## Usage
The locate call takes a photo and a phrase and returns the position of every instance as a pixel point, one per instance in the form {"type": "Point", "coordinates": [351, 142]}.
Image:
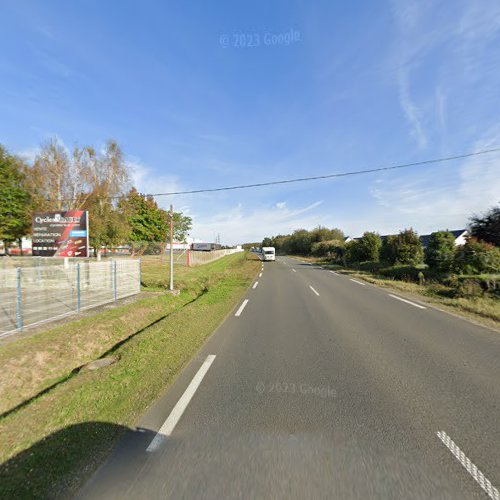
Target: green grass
{"type": "Point", "coordinates": [53, 443]}
{"type": "Point", "coordinates": [31, 365]}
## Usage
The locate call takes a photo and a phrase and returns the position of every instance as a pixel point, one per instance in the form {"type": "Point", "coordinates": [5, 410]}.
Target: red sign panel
{"type": "Point", "coordinates": [61, 234]}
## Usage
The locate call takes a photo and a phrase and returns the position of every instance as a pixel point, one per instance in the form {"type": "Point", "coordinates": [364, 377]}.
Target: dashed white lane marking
{"type": "Point", "coordinates": [260, 275]}
{"type": "Point", "coordinates": [407, 301]}
{"type": "Point", "coordinates": [294, 270]}
{"type": "Point", "coordinates": [358, 282]}
{"type": "Point", "coordinates": [478, 476]}
{"type": "Point", "coordinates": [168, 426]}
{"type": "Point", "coordinates": [314, 290]}
{"type": "Point", "coordinates": [240, 309]}
{"type": "Point", "coordinates": [333, 272]}
{"type": "Point", "coordinates": [255, 285]}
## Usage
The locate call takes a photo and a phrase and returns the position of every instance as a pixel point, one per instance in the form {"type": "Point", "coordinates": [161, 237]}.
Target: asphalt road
{"type": "Point", "coordinates": [322, 387]}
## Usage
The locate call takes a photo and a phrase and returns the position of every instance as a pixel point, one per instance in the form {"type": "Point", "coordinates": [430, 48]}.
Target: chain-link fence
{"type": "Point", "coordinates": [32, 295]}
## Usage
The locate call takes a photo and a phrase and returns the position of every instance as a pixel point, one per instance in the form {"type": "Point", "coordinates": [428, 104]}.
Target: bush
{"type": "Point", "coordinates": [331, 249]}
{"type": "Point", "coordinates": [369, 247]}
{"type": "Point", "coordinates": [352, 254]}
{"type": "Point", "coordinates": [402, 273]}
{"type": "Point", "coordinates": [409, 248]}
{"type": "Point", "coordinates": [371, 266]}
{"type": "Point", "coordinates": [440, 251]}
{"type": "Point", "coordinates": [300, 242]}
{"type": "Point", "coordinates": [469, 288]}
{"type": "Point", "coordinates": [405, 248]}
{"type": "Point", "coordinates": [388, 250]}
{"type": "Point", "coordinates": [476, 257]}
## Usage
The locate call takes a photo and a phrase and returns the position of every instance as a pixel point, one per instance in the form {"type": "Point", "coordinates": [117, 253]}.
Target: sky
{"type": "Point", "coordinates": [207, 94]}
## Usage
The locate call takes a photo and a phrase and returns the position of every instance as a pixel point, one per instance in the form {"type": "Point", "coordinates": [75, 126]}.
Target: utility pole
{"type": "Point", "coordinates": [171, 214]}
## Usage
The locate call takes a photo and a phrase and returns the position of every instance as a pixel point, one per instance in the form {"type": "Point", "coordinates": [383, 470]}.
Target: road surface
{"type": "Point", "coordinates": [320, 386]}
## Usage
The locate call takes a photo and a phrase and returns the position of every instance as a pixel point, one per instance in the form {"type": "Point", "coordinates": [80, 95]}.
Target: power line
{"type": "Point", "coordinates": [317, 177]}
{"type": "Point", "coordinates": [330, 176]}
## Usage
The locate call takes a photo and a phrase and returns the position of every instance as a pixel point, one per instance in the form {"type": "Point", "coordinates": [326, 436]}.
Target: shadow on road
{"type": "Point", "coordinates": [57, 466]}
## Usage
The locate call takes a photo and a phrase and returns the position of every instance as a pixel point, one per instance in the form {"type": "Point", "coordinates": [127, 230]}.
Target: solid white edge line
{"type": "Point", "coordinates": [294, 270]}
{"type": "Point", "coordinates": [407, 301]}
{"type": "Point", "coordinates": [478, 476]}
{"type": "Point", "coordinates": [314, 290]}
{"type": "Point", "coordinates": [255, 285]}
{"type": "Point", "coordinates": [169, 425]}
{"type": "Point", "coordinates": [333, 272]}
{"type": "Point", "coordinates": [358, 282]}
{"type": "Point", "coordinates": [240, 309]}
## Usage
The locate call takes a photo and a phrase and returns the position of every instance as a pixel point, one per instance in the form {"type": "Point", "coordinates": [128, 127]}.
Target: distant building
{"type": "Point", "coordinates": [14, 248]}
{"type": "Point", "coordinates": [459, 234]}
{"type": "Point", "coordinates": [179, 245]}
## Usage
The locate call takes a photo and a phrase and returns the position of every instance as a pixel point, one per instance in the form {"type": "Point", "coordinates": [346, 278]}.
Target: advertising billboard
{"type": "Point", "coordinates": [61, 234]}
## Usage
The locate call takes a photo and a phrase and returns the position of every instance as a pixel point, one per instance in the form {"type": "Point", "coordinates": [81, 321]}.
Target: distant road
{"type": "Point", "coordinates": [320, 386]}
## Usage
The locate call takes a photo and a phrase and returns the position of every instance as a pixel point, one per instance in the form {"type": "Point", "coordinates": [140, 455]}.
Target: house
{"type": "Point", "coordinates": [459, 234]}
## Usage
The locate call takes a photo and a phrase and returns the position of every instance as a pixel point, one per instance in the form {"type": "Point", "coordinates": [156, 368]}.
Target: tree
{"type": "Point", "coordinates": [476, 257]}
{"type": "Point", "coordinates": [487, 227]}
{"type": "Point", "coordinates": [352, 252]}
{"type": "Point", "coordinates": [388, 251]}
{"type": "Point", "coordinates": [409, 248]}
{"type": "Point", "coordinates": [60, 179]}
{"type": "Point", "coordinates": [369, 247]}
{"type": "Point", "coordinates": [182, 226]}
{"type": "Point", "coordinates": [83, 179]}
{"type": "Point", "coordinates": [147, 221]}
{"type": "Point", "coordinates": [106, 179]}
{"type": "Point", "coordinates": [331, 249]}
{"type": "Point", "coordinates": [14, 207]}
{"type": "Point", "coordinates": [322, 233]}
{"type": "Point", "coordinates": [300, 242]}
{"type": "Point", "coordinates": [440, 251]}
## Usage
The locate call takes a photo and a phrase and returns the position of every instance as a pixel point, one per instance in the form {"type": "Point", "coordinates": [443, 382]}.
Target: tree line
{"type": "Point", "coordinates": [480, 254]}
{"type": "Point", "coordinates": [83, 179]}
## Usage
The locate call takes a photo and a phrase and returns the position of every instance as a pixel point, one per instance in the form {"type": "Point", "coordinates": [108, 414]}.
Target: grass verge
{"type": "Point", "coordinates": [51, 445]}
{"type": "Point", "coordinates": [32, 364]}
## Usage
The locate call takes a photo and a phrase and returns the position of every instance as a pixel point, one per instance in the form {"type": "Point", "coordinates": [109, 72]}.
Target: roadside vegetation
{"type": "Point", "coordinates": [46, 396]}
{"type": "Point", "coordinates": [463, 278]}
{"type": "Point", "coordinates": [86, 178]}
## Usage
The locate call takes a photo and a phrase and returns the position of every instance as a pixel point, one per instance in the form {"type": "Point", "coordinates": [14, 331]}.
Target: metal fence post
{"type": "Point", "coordinates": [140, 277]}
{"type": "Point", "coordinates": [115, 288]}
{"type": "Point", "coordinates": [78, 288]}
{"type": "Point", "coordinates": [19, 300]}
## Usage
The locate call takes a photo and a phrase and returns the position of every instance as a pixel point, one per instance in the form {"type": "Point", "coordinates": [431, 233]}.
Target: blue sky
{"type": "Point", "coordinates": [362, 85]}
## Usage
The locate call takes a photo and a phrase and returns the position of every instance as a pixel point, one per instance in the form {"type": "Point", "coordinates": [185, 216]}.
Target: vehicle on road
{"type": "Point", "coordinates": [205, 247]}
{"type": "Point", "coordinates": [268, 254]}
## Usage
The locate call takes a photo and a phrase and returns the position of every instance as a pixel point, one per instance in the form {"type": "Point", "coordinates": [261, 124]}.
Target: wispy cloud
{"type": "Point", "coordinates": [240, 224]}
{"type": "Point", "coordinates": [147, 180]}
{"type": "Point", "coordinates": [410, 109]}
{"type": "Point", "coordinates": [427, 205]}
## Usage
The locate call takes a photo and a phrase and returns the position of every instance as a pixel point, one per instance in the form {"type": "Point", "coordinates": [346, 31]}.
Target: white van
{"type": "Point", "coordinates": [268, 253]}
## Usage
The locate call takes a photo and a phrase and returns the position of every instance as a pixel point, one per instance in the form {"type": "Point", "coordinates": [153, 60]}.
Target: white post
{"type": "Point", "coordinates": [171, 213]}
